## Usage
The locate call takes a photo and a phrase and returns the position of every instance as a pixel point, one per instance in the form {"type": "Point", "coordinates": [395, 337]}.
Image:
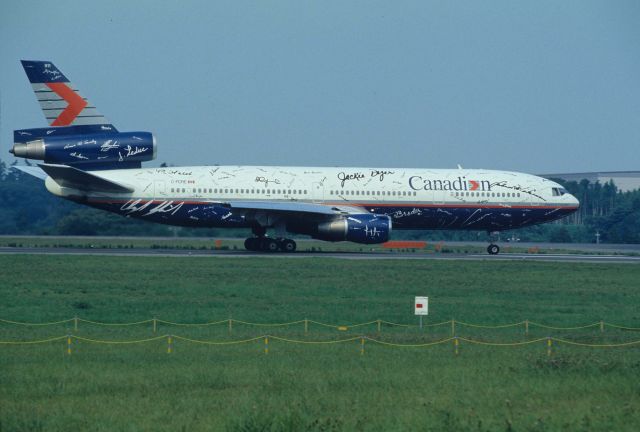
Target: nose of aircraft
{"type": "Point", "coordinates": [573, 200]}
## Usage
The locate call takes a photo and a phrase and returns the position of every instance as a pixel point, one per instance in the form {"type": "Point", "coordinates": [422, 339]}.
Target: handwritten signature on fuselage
{"type": "Point", "coordinates": [266, 181]}
{"type": "Point", "coordinates": [357, 176]}
{"type": "Point", "coordinates": [518, 188]}
{"type": "Point", "coordinates": [138, 206]}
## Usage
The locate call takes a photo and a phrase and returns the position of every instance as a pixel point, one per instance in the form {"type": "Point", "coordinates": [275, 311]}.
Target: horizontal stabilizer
{"type": "Point", "coordinates": [71, 177]}
{"type": "Point", "coordinates": [32, 171]}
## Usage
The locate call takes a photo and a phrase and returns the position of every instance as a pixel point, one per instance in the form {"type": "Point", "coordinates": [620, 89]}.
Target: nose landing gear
{"type": "Point", "coordinates": [493, 249]}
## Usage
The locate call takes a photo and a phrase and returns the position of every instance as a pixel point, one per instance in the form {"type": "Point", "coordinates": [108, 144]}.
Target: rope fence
{"type": "Point", "coordinates": [379, 323]}
{"type": "Point", "coordinates": [457, 342]}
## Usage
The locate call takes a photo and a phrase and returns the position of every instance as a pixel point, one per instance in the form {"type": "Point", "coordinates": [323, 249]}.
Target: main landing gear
{"type": "Point", "coordinates": [268, 244]}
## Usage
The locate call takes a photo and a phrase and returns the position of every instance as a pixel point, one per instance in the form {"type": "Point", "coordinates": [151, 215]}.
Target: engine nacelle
{"type": "Point", "coordinates": [113, 149]}
{"type": "Point", "coordinates": [362, 228]}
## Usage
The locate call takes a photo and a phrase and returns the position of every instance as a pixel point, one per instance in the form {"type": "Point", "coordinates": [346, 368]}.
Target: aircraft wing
{"type": "Point", "coordinates": [71, 177]}
{"type": "Point", "coordinates": [32, 171]}
{"type": "Point", "coordinates": [296, 207]}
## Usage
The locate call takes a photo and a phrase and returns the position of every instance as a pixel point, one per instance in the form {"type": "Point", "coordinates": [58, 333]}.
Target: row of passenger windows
{"type": "Point", "coordinates": [489, 194]}
{"type": "Point", "coordinates": [340, 193]}
{"type": "Point", "coordinates": [373, 193]}
{"type": "Point", "coordinates": [242, 191]}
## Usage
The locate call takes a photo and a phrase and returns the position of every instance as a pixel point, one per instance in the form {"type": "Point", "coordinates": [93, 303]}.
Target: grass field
{"type": "Point", "coordinates": [315, 387]}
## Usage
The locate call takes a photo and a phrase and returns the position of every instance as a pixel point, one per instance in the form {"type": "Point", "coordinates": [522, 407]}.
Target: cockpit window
{"type": "Point", "coordinates": [558, 191]}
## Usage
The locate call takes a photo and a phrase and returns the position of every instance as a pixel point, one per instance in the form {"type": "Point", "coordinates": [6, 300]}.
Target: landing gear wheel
{"type": "Point", "coordinates": [252, 244]}
{"type": "Point", "coordinates": [269, 245]}
{"type": "Point", "coordinates": [493, 249]}
{"type": "Point", "coordinates": [288, 245]}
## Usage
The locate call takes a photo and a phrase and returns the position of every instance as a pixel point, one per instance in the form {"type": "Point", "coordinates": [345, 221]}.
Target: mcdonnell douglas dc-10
{"type": "Point", "coordinates": [87, 160]}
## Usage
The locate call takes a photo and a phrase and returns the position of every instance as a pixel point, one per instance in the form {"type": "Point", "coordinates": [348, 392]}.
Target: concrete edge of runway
{"type": "Point", "coordinates": [142, 252]}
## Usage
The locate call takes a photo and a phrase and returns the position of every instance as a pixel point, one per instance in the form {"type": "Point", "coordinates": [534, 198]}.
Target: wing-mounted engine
{"type": "Point", "coordinates": [359, 228]}
{"type": "Point", "coordinates": [87, 147]}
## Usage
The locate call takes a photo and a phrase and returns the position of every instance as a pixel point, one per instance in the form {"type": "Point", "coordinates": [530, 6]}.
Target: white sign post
{"type": "Point", "coordinates": [421, 306]}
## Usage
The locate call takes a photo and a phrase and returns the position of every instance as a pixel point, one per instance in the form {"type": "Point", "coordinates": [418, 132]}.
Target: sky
{"type": "Point", "coordinates": [532, 86]}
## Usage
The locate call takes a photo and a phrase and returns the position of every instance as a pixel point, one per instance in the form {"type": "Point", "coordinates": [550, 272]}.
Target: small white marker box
{"type": "Point", "coordinates": [421, 305]}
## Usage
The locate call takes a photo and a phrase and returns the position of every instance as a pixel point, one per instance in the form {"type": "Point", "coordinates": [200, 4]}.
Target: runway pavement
{"type": "Point", "coordinates": [338, 255]}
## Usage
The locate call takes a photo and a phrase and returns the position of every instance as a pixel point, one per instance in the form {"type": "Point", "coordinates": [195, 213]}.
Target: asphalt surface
{"type": "Point", "coordinates": [339, 255]}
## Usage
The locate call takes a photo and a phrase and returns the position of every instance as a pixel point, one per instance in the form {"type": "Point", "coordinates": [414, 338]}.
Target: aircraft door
{"type": "Point", "coordinates": [160, 191]}
{"type": "Point", "coordinates": [317, 192]}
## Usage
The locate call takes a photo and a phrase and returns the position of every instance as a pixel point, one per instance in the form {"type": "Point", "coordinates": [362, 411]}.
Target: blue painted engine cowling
{"type": "Point", "coordinates": [85, 147]}
{"type": "Point", "coordinates": [362, 228]}
{"type": "Point", "coordinates": [113, 148]}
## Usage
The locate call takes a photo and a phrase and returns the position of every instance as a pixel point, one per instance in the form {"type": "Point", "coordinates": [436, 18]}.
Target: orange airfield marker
{"type": "Point", "coordinates": [404, 245]}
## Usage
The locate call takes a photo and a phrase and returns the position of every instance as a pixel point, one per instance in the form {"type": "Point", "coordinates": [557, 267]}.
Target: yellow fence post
{"type": "Point", "coordinates": [526, 327]}
{"type": "Point", "coordinates": [306, 326]}
{"type": "Point", "coordinates": [601, 326]}
{"type": "Point", "coordinates": [155, 325]}
{"type": "Point", "coordinates": [75, 323]}
{"type": "Point", "coordinates": [379, 325]}
{"type": "Point", "coordinates": [456, 343]}
{"type": "Point", "coordinates": [361, 345]}
{"type": "Point", "coordinates": [230, 325]}
{"type": "Point", "coordinates": [68, 344]}
{"type": "Point", "coordinates": [548, 347]}
{"type": "Point", "coordinates": [169, 344]}
{"type": "Point", "coordinates": [266, 345]}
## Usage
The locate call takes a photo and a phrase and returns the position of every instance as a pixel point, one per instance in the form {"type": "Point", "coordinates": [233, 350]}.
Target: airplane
{"type": "Point", "coordinates": [88, 161]}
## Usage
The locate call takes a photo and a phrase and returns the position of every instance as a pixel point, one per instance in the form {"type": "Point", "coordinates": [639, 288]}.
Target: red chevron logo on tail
{"type": "Point", "coordinates": [75, 107]}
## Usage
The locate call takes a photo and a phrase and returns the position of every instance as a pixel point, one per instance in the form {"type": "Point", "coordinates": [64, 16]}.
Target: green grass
{"type": "Point", "coordinates": [315, 387]}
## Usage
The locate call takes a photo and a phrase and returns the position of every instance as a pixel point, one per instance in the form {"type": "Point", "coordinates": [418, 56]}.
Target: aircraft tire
{"type": "Point", "coordinates": [493, 249]}
{"type": "Point", "coordinates": [288, 245]}
{"type": "Point", "coordinates": [269, 245]}
{"type": "Point", "coordinates": [252, 244]}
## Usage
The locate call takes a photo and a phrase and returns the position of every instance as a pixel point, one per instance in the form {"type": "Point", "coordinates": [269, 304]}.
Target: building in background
{"type": "Point", "coordinates": [624, 180]}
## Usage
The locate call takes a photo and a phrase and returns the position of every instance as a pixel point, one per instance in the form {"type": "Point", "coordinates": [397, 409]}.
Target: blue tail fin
{"type": "Point", "coordinates": [59, 99]}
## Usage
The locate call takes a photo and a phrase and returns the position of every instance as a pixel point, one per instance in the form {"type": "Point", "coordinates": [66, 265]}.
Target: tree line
{"type": "Point", "coordinates": [27, 208]}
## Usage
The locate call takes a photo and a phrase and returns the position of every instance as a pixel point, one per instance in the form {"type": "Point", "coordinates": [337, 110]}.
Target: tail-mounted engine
{"type": "Point", "coordinates": [362, 228]}
{"type": "Point", "coordinates": [98, 147]}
